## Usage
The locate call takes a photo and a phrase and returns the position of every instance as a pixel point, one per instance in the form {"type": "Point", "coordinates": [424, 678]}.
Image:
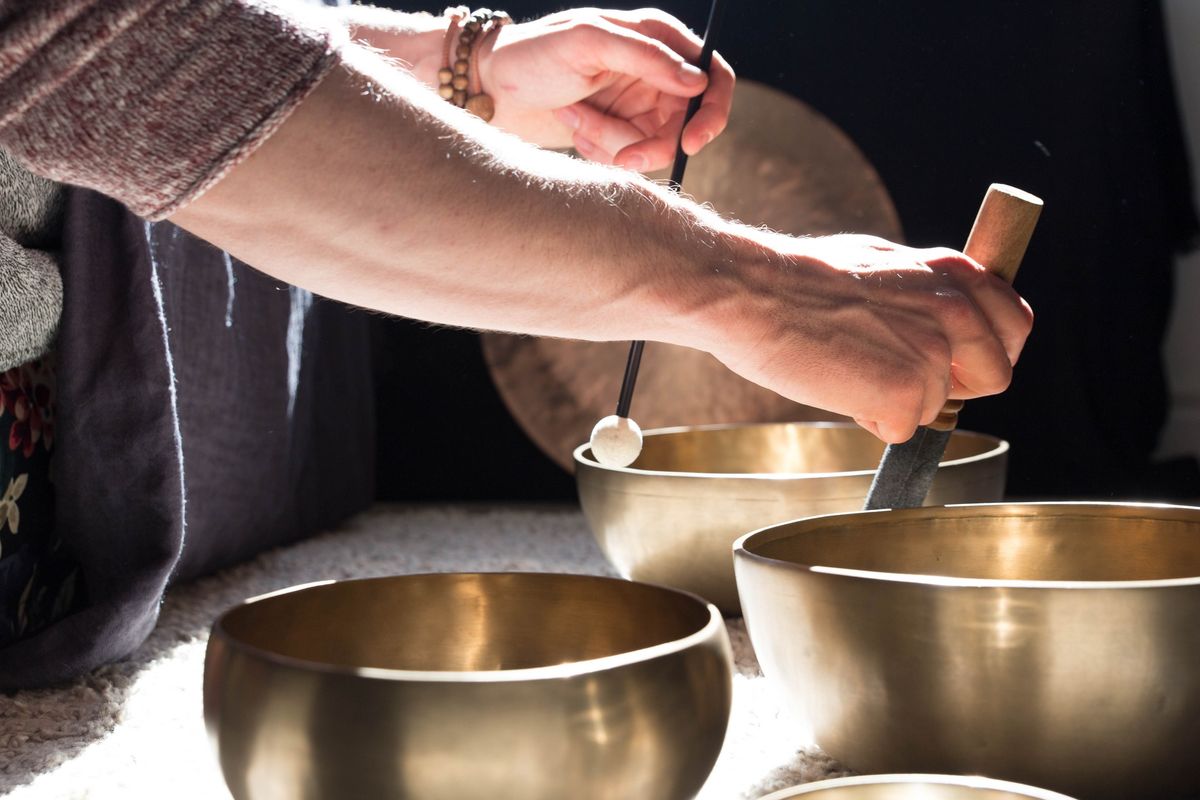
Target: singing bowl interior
{"type": "Point", "coordinates": [802, 450]}
{"type": "Point", "coordinates": [1014, 545]}
{"type": "Point", "coordinates": [1054, 644]}
{"type": "Point", "coordinates": [915, 787]}
{"type": "Point", "coordinates": [674, 514]}
{"type": "Point", "coordinates": [500, 685]}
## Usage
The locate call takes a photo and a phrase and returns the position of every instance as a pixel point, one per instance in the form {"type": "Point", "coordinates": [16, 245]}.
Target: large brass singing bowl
{"type": "Point", "coordinates": [915, 787]}
{"type": "Point", "coordinates": [468, 686]}
{"type": "Point", "coordinates": [1053, 644]}
{"type": "Point", "coordinates": [673, 515]}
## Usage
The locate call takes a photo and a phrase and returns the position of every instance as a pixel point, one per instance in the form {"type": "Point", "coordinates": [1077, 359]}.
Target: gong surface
{"type": "Point", "coordinates": [779, 164]}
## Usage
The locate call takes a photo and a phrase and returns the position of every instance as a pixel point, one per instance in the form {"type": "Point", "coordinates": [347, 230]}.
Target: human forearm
{"type": "Point", "coordinates": [155, 131]}
{"type": "Point", "coordinates": [393, 200]}
{"type": "Point", "coordinates": [396, 201]}
{"type": "Point", "coordinates": [415, 40]}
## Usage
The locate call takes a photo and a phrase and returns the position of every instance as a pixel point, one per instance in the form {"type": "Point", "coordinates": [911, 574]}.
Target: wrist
{"type": "Point", "coordinates": [413, 39]}
{"type": "Point", "coordinates": [704, 268]}
{"type": "Point", "coordinates": [487, 49]}
{"type": "Point", "coordinates": [463, 83]}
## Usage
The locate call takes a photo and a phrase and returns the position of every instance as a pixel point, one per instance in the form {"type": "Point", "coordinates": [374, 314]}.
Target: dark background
{"type": "Point", "coordinates": [943, 98]}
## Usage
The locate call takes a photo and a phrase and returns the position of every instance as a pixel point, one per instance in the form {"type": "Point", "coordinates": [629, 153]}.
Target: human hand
{"type": "Point", "coordinates": [874, 330]}
{"type": "Point", "coordinates": [614, 84]}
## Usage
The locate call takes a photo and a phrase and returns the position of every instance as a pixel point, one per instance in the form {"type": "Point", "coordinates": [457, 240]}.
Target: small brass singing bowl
{"type": "Point", "coordinates": [468, 686]}
{"type": "Point", "coordinates": [1053, 644]}
{"type": "Point", "coordinates": [915, 787]}
{"type": "Point", "coordinates": [672, 517]}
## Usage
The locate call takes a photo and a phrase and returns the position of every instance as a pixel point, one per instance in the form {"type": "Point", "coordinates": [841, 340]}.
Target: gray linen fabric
{"type": "Point", "coordinates": [30, 285]}
{"type": "Point", "coordinates": [206, 412]}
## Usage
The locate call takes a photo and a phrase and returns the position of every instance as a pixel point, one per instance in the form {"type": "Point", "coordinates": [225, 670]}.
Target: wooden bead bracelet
{"type": "Point", "coordinates": [459, 80]}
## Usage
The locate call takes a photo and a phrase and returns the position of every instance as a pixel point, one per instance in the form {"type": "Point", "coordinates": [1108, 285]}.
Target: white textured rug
{"type": "Point", "coordinates": [135, 729]}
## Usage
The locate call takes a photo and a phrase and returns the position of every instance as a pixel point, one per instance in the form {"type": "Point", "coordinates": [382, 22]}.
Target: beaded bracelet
{"type": "Point", "coordinates": [459, 80]}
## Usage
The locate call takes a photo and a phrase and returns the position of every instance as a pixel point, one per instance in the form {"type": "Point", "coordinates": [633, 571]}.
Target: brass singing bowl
{"type": "Point", "coordinates": [673, 515]}
{"type": "Point", "coordinates": [468, 686]}
{"type": "Point", "coordinates": [1053, 644]}
{"type": "Point", "coordinates": [915, 787]}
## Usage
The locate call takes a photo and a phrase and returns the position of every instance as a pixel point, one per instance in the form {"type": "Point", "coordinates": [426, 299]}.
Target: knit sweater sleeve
{"type": "Point", "coordinates": [152, 101]}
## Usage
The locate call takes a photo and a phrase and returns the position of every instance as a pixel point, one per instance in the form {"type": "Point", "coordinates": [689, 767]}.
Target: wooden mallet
{"type": "Point", "coordinates": [998, 240]}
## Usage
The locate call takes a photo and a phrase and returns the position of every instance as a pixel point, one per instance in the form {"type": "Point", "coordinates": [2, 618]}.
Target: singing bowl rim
{"type": "Point", "coordinates": [999, 448]}
{"type": "Point", "coordinates": [743, 547]}
{"type": "Point", "coordinates": [917, 778]}
{"type": "Point", "coordinates": [573, 669]}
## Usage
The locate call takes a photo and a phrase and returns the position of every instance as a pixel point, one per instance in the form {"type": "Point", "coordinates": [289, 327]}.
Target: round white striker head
{"type": "Point", "coordinates": [616, 441]}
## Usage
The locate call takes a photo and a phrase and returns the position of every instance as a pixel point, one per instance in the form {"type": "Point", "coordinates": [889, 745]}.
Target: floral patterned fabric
{"type": "Point", "coordinates": [37, 585]}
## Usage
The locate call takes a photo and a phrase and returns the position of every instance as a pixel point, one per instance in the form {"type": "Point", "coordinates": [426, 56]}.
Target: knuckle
{"type": "Point", "coordinates": [588, 28]}
{"type": "Point", "coordinates": [652, 49]}
{"type": "Point", "coordinates": [870, 242]}
{"type": "Point", "coordinates": [999, 379]}
{"type": "Point", "coordinates": [898, 429]}
{"type": "Point", "coordinates": [1026, 319]}
{"type": "Point", "coordinates": [656, 16]}
{"type": "Point", "coordinates": [957, 309]}
{"type": "Point", "coordinates": [944, 255]}
{"type": "Point", "coordinates": [904, 393]}
{"type": "Point", "coordinates": [950, 263]}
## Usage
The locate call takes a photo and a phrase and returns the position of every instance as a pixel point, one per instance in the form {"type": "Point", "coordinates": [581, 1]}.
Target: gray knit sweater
{"type": "Point", "coordinates": [30, 286]}
{"type": "Point", "coordinates": [147, 101]}
{"type": "Point", "coordinates": [151, 102]}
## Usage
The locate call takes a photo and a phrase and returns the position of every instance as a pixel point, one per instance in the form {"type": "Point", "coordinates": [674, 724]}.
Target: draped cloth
{"type": "Point", "coordinates": [206, 412]}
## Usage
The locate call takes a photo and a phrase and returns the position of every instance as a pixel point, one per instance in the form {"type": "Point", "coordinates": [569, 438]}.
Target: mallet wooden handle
{"type": "Point", "coordinates": [999, 237]}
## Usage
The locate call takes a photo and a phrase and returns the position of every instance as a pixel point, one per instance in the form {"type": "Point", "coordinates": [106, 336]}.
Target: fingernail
{"type": "Point", "coordinates": [568, 116]}
{"type": "Point", "coordinates": [584, 146]}
{"type": "Point", "coordinates": [691, 75]}
{"type": "Point", "coordinates": [637, 163]}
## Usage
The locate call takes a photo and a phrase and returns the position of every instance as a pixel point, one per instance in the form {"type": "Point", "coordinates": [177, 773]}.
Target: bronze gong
{"type": "Point", "coordinates": [779, 164]}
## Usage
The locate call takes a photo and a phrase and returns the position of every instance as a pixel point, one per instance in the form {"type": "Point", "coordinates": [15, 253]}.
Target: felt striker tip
{"type": "Point", "coordinates": [616, 441]}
